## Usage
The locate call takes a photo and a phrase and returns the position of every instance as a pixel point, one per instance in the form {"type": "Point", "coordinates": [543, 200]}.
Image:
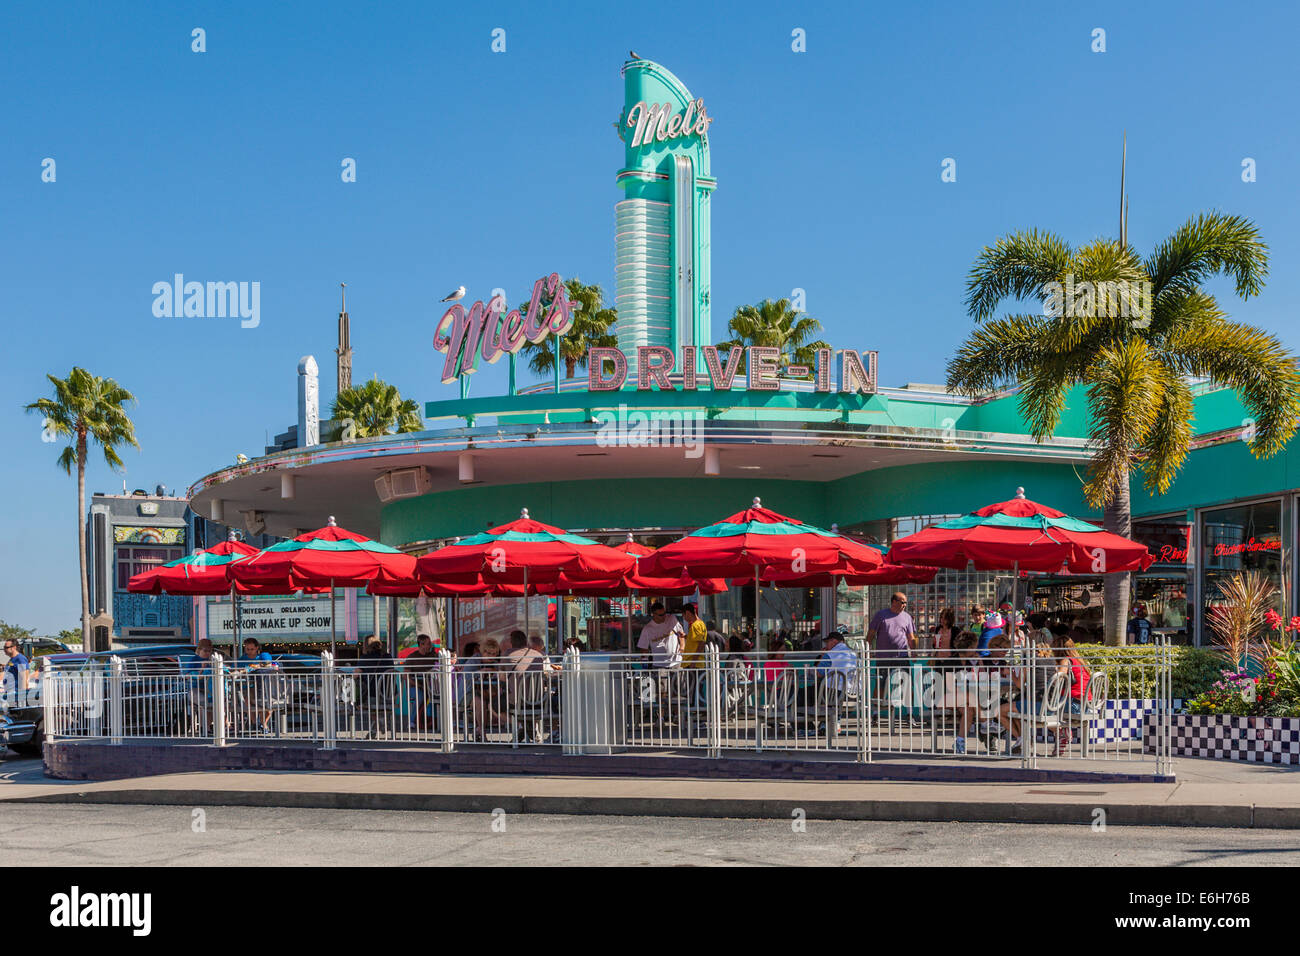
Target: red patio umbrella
{"type": "Point", "coordinates": [1023, 535]}
{"type": "Point", "coordinates": [762, 544]}
{"type": "Point", "coordinates": [327, 557]}
{"type": "Point", "coordinates": [510, 553]}
{"type": "Point", "coordinates": [200, 573]}
{"type": "Point", "coordinates": [887, 573]}
{"type": "Point", "coordinates": [205, 573]}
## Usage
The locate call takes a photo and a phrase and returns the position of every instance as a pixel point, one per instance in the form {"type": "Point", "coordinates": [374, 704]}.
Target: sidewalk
{"type": "Point", "coordinates": [1208, 793]}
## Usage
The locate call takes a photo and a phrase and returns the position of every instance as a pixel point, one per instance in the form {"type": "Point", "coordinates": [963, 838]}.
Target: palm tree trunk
{"type": "Point", "coordinates": [1117, 519]}
{"type": "Point", "coordinates": [570, 366]}
{"type": "Point", "coordinates": [81, 543]}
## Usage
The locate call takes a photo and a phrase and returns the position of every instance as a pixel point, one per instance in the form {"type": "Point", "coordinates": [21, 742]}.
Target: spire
{"type": "Point", "coordinates": [1123, 196]}
{"type": "Point", "coordinates": [344, 351]}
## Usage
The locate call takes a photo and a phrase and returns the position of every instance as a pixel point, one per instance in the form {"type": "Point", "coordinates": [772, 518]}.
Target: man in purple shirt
{"type": "Point", "coordinates": [894, 634]}
{"type": "Point", "coordinates": [892, 629]}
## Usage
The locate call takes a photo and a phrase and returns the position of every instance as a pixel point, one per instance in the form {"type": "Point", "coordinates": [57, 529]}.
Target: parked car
{"type": "Point", "coordinates": [21, 714]}
{"type": "Point", "coordinates": [33, 648]}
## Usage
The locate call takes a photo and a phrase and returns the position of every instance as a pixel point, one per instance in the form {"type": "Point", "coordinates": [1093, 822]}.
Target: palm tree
{"type": "Point", "coordinates": [775, 324]}
{"type": "Point", "coordinates": [86, 408]}
{"type": "Point", "coordinates": [377, 408]}
{"type": "Point", "coordinates": [1134, 360]}
{"type": "Point", "coordinates": [591, 324]}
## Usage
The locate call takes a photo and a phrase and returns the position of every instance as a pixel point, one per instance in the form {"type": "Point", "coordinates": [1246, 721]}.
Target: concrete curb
{"type": "Point", "coordinates": [83, 760]}
{"type": "Point", "coordinates": [919, 811]}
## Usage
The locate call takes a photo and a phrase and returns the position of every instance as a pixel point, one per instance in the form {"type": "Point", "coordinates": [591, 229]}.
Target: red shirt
{"type": "Point", "coordinates": [1078, 679]}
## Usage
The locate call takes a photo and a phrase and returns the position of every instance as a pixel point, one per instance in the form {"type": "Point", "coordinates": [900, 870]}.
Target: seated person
{"type": "Point", "coordinates": [964, 683]}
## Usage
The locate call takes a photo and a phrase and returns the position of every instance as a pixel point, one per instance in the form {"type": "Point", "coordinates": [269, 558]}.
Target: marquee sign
{"type": "Point", "coordinates": [491, 332]}
{"type": "Point", "coordinates": [655, 363]}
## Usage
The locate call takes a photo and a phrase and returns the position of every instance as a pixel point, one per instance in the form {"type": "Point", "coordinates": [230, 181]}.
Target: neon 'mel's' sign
{"type": "Point", "coordinates": [657, 123]}
{"type": "Point", "coordinates": [491, 332]}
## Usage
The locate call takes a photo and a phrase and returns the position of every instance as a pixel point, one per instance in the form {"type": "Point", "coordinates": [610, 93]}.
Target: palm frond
{"type": "Point", "coordinates": [1016, 266]}
{"type": "Point", "coordinates": [998, 353]}
{"type": "Point", "coordinates": [1206, 245]}
{"type": "Point", "coordinates": [1125, 394]}
{"type": "Point", "coordinates": [1171, 435]}
{"type": "Point", "coordinates": [1251, 362]}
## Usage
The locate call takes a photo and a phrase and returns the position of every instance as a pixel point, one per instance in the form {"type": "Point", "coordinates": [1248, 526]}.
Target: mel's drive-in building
{"type": "Point", "coordinates": [667, 433]}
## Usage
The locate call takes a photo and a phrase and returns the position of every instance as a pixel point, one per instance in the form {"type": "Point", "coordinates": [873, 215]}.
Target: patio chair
{"type": "Point", "coordinates": [1091, 708]}
{"type": "Point", "coordinates": [827, 705]}
{"type": "Point", "coordinates": [780, 711]}
{"type": "Point", "coordinates": [1050, 718]}
{"type": "Point", "coordinates": [529, 705]}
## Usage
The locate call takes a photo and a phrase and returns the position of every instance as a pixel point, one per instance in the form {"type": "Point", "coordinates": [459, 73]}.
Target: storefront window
{"type": "Point", "coordinates": [1241, 538]}
{"type": "Point", "coordinates": [1162, 590]}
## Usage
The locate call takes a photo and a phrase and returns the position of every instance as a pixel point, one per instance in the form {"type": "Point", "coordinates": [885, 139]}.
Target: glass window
{"type": "Point", "coordinates": [1162, 590]}
{"type": "Point", "coordinates": [1240, 538]}
{"type": "Point", "coordinates": [132, 560]}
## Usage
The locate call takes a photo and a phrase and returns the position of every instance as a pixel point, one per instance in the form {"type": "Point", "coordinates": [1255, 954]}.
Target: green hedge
{"type": "Point", "coordinates": [1195, 669]}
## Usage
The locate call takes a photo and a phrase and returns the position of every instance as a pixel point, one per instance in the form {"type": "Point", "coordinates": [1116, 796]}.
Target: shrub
{"type": "Point", "coordinates": [1133, 669]}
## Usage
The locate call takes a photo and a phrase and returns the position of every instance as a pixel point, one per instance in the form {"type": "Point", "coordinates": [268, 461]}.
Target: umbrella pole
{"type": "Point", "coordinates": [757, 605]}
{"type": "Point", "coordinates": [527, 620]}
{"type": "Point", "coordinates": [1011, 632]}
{"type": "Point", "coordinates": [332, 619]}
{"type": "Point", "coordinates": [234, 617]}
{"type": "Point", "coordinates": [628, 639]}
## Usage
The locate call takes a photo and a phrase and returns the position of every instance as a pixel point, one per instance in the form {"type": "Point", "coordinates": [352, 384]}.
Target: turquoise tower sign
{"type": "Point", "coordinates": [662, 237]}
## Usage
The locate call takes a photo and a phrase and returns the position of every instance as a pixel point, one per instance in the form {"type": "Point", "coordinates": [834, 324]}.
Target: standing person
{"type": "Point", "coordinates": [894, 634]}
{"type": "Point", "coordinates": [697, 636]}
{"type": "Point", "coordinates": [194, 668]}
{"type": "Point", "coordinates": [17, 671]}
{"type": "Point", "coordinates": [944, 632]}
{"type": "Point", "coordinates": [892, 629]}
{"type": "Point", "coordinates": [661, 637]}
{"type": "Point", "coordinates": [715, 637]}
{"type": "Point", "coordinates": [1139, 628]}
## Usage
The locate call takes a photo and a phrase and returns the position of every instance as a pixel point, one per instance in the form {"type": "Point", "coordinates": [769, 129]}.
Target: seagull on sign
{"type": "Point", "coordinates": [455, 296]}
{"type": "Point", "coordinates": [632, 54]}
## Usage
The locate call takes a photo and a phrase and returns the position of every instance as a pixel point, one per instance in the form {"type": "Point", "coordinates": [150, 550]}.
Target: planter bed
{"type": "Point", "coordinates": [1257, 739]}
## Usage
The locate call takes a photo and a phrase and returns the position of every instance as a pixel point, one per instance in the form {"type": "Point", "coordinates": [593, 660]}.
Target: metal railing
{"type": "Point", "coordinates": [1010, 704]}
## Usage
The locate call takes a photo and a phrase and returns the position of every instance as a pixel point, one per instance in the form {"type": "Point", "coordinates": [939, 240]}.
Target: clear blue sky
{"type": "Point", "coordinates": [491, 169]}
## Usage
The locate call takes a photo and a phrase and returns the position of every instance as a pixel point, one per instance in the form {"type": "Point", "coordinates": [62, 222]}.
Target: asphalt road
{"type": "Point", "coordinates": [84, 835]}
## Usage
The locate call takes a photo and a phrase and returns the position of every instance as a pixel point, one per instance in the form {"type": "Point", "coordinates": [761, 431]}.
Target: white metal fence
{"type": "Point", "coordinates": [1017, 704]}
